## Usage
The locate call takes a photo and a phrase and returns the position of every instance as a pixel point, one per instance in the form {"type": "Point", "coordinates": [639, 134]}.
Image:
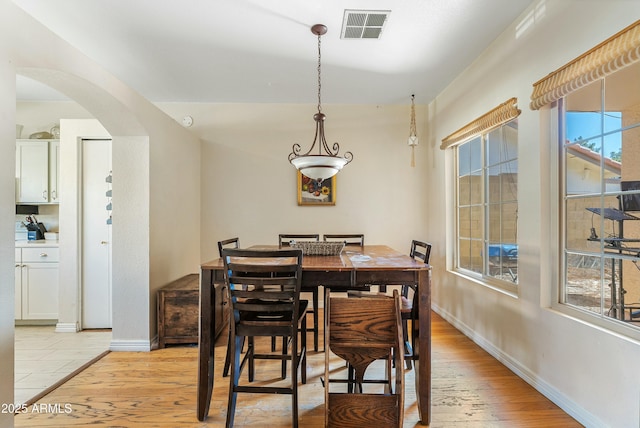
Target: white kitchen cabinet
{"type": "Point", "coordinates": [37, 166]}
{"type": "Point", "coordinates": [37, 271]}
{"type": "Point", "coordinates": [18, 289]}
{"type": "Point", "coordinates": [54, 170]}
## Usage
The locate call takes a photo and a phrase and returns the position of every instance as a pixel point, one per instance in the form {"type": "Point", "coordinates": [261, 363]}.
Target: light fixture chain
{"type": "Point", "coordinates": [319, 76]}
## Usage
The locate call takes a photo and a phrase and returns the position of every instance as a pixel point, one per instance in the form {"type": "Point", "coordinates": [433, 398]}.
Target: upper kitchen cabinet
{"type": "Point", "coordinates": [37, 171]}
{"type": "Point", "coordinates": [54, 170]}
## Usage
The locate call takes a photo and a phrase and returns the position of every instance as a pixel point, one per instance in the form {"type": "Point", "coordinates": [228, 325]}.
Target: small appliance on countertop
{"type": "Point", "coordinates": [35, 229]}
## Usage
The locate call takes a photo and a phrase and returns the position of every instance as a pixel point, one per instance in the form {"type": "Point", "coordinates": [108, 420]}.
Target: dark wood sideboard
{"type": "Point", "coordinates": [178, 311]}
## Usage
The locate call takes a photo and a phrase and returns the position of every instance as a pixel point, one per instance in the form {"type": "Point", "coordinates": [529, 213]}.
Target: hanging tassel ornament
{"type": "Point", "coordinates": [413, 134]}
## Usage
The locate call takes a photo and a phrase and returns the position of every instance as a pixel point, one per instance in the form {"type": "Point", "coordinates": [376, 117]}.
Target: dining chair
{"type": "Point", "coordinates": [348, 239]}
{"type": "Point", "coordinates": [228, 243]}
{"type": "Point", "coordinates": [263, 288]}
{"type": "Point", "coordinates": [420, 251]}
{"type": "Point", "coordinates": [351, 240]}
{"type": "Point", "coordinates": [362, 331]}
{"type": "Point", "coordinates": [284, 240]}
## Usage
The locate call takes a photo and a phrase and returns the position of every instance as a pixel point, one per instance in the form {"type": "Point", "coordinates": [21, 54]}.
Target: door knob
{"type": "Point", "coordinates": [103, 242]}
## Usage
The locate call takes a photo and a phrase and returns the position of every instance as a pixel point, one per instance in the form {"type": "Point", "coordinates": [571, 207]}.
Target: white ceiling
{"type": "Point", "coordinates": [264, 51]}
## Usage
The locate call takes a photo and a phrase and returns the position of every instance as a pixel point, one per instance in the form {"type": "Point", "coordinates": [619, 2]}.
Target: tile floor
{"type": "Point", "coordinates": [44, 357]}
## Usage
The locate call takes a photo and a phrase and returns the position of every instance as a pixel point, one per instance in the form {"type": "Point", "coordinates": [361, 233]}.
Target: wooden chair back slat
{"type": "Point", "coordinates": [364, 410]}
{"type": "Point", "coordinates": [284, 239]}
{"type": "Point", "coordinates": [228, 243]}
{"type": "Point", "coordinates": [356, 239]}
{"type": "Point", "coordinates": [366, 320]}
{"type": "Point", "coordinates": [420, 251]}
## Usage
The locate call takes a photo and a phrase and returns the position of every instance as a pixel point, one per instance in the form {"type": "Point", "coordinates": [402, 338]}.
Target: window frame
{"type": "Point", "coordinates": [559, 197]}
{"type": "Point", "coordinates": [483, 277]}
{"type": "Point", "coordinates": [549, 93]}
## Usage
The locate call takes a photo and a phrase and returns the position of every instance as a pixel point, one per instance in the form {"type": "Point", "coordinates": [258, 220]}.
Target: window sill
{"type": "Point", "coordinates": [624, 330]}
{"type": "Point", "coordinates": [503, 287]}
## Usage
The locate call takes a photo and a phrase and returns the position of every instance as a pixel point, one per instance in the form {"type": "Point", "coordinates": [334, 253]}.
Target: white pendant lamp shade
{"type": "Point", "coordinates": [319, 167]}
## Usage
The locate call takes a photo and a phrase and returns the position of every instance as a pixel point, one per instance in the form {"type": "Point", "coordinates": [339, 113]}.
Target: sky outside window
{"type": "Point", "coordinates": [587, 125]}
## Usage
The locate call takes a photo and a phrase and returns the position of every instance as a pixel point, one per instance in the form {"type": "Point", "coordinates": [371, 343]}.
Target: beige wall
{"type": "Point", "coordinates": [568, 360]}
{"type": "Point", "coordinates": [143, 137]}
{"type": "Point", "coordinates": [249, 186]}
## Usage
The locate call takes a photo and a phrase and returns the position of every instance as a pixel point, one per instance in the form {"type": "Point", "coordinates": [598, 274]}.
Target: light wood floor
{"type": "Point", "coordinates": [158, 389]}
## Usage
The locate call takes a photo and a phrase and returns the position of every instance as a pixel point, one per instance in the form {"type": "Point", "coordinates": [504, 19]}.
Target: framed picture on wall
{"type": "Point", "coordinates": [310, 192]}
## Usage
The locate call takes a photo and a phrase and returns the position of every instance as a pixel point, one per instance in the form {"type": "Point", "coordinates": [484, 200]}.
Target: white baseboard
{"type": "Point", "coordinates": [130, 346]}
{"type": "Point", "coordinates": [556, 396]}
{"type": "Point", "coordinates": [67, 327]}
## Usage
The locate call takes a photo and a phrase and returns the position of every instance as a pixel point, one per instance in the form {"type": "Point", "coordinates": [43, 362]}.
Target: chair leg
{"type": "Point", "coordinates": [285, 346]}
{"type": "Point", "coordinates": [388, 387]}
{"type": "Point", "coordinates": [294, 380]}
{"type": "Point", "coordinates": [249, 356]}
{"type": "Point", "coordinates": [415, 334]}
{"type": "Point", "coordinates": [298, 359]}
{"type": "Point", "coordinates": [408, 349]}
{"type": "Point", "coordinates": [303, 351]}
{"type": "Point", "coordinates": [315, 319]}
{"type": "Point", "coordinates": [236, 346]}
{"type": "Point", "coordinates": [227, 358]}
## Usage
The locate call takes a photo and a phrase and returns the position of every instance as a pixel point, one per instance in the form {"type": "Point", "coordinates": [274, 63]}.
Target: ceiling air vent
{"type": "Point", "coordinates": [363, 24]}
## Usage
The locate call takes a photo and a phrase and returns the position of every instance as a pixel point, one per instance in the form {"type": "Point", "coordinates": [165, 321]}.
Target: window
{"type": "Point", "coordinates": [487, 204]}
{"type": "Point", "coordinates": [486, 165]}
{"type": "Point", "coordinates": [595, 101]}
{"type": "Point", "coordinates": [600, 188]}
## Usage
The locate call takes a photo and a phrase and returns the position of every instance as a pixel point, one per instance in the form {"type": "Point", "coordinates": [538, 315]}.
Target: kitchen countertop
{"type": "Point", "coordinates": [39, 243]}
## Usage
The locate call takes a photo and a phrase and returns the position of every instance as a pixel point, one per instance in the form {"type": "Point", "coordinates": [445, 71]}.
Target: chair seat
{"type": "Point", "coordinates": [272, 318]}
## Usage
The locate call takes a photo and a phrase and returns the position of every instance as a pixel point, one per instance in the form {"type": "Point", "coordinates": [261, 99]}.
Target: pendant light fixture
{"type": "Point", "coordinates": [413, 134]}
{"type": "Point", "coordinates": [325, 162]}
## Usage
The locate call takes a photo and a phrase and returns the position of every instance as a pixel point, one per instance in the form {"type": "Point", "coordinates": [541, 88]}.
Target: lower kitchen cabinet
{"type": "Point", "coordinates": [36, 283]}
{"type": "Point", "coordinates": [18, 289]}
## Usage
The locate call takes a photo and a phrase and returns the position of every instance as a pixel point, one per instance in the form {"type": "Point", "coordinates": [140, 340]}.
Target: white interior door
{"type": "Point", "coordinates": [96, 234]}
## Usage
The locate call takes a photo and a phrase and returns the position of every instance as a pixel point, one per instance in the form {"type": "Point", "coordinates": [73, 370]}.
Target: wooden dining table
{"type": "Point", "coordinates": [355, 266]}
